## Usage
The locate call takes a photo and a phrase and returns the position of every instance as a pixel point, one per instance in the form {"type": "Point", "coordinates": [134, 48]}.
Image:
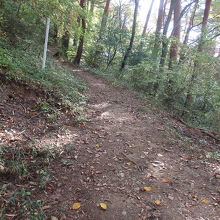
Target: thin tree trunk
{"type": "Point", "coordinates": [140, 46]}
{"type": "Point", "coordinates": [158, 30]}
{"type": "Point", "coordinates": [204, 25]}
{"type": "Point", "coordinates": [55, 34]}
{"type": "Point", "coordinates": [164, 11]}
{"type": "Point", "coordinates": [98, 50]}
{"type": "Point", "coordinates": [81, 40]}
{"type": "Point", "coordinates": [173, 48]}
{"type": "Point", "coordinates": [128, 51]}
{"type": "Point", "coordinates": [176, 34]}
{"type": "Point", "coordinates": [147, 19]}
{"type": "Point", "coordinates": [112, 58]}
{"type": "Point", "coordinates": [92, 6]}
{"type": "Point", "coordinates": [191, 21]}
{"type": "Point", "coordinates": [165, 40]}
{"type": "Point", "coordinates": [65, 43]}
{"type": "Point", "coordinates": [104, 19]}
{"type": "Point", "coordinates": [194, 76]}
{"type": "Point", "coordinates": [189, 28]}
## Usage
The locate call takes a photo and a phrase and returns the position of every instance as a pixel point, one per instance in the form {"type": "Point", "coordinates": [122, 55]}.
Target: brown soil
{"type": "Point", "coordinates": [124, 145]}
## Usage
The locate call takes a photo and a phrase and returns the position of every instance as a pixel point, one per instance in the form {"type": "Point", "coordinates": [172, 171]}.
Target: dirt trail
{"type": "Point", "coordinates": [127, 144]}
{"type": "Point", "coordinates": [122, 149]}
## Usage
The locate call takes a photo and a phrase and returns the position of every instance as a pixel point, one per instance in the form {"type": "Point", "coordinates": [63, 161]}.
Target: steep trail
{"type": "Point", "coordinates": [125, 145]}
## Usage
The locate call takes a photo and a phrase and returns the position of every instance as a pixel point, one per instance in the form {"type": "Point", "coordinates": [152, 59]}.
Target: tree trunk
{"type": "Point", "coordinates": [189, 28]}
{"type": "Point", "coordinates": [175, 7]}
{"type": "Point", "coordinates": [218, 52]}
{"type": "Point", "coordinates": [165, 40]}
{"type": "Point", "coordinates": [92, 6]}
{"type": "Point", "coordinates": [204, 25]}
{"type": "Point", "coordinates": [104, 19]}
{"type": "Point", "coordinates": [65, 43]}
{"type": "Point", "coordinates": [176, 34]}
{"type": "Point", "coordinates": [55, 34]}
{"type": "Point", "coordinates": [128, 51]}
{"type": "Point", "coordinates": [191, 21]}
{"type": "Point", "coordinates": [147, 18]}
{"type": "Point", "coordinates": [140, 47]}
{"type": "Point", "coordinates": [201, 44]}
{"type": "Point", "coordinates": [81, 40]}
{"type": "Point", "coordinates": [158, 30]}
{"type": "Point", "coordinates": [98, 50]}
{"type": "Point", "coordinates": [164, 11]}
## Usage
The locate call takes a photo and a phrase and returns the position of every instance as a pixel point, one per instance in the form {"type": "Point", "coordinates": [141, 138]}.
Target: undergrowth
{"type": "Point", "coordinates": [22, 63]}
{"type": "Point", "coordinates": [24, 167]}
{"type": "Point", "coordinates": [24, 172]}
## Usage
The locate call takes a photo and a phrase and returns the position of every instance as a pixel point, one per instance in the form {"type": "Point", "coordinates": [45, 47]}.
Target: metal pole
{"type": "Point", "coordinates": [46, 43]}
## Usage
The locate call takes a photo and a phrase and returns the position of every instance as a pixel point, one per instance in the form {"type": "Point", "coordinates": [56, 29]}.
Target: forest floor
{"type": "Point", "coordinates": [140, 161]}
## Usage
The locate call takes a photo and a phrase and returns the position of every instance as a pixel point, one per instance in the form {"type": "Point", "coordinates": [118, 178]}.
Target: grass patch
{"type": "Point", "coordinates": [143, 109]}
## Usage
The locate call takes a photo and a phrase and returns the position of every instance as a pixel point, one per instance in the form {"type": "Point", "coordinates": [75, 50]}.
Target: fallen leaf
{"type": "Point", "coordinates": [103, 206]}
{"type": "Point", "coordinates": [157, 202]}
{"type": "Point", "coordinates": [165, 180]}
{"type": "Point", "coordinates": [46, 207]}
{"type": "Point", "coordinates": [82, 124]}
{"type": "Point", "coordinates": [205, 201]}
{"type": "Point", "coordinates": [76, 205]}
{"type": "Point", "coordinates": [10, 121]}
{"type": "Point", "coordinates": [54, 218]}
{"type": "Point", "coordinates": [98, 145]}
{"type": "Point", "coordinates": [33, 183]}
{"type": "Point", "coordinates": [208, 154]}
{"type": "Point", "coordinates": [66, 126]}
{"type": "Point", "coordinates": [10, 215]}
{"type": "Point", "coordinates": [98, 172]}
{"type": "Point", "coordinates": [147, 188]}
{"type": "Point", "coordinates": [129, 163]}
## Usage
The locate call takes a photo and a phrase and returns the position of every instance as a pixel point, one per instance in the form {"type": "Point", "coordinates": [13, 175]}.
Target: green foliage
{"type": "Point", "coordinates": [172, 87]}
{"type": "Point", "coordinates": [26, 65]}
{"type": "Point", "coordinates": [142, 77]}
{"type": "Point", "coordinates": [108, 48]}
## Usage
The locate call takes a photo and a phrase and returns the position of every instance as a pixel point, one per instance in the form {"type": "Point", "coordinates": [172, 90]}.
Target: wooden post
{"type": "Point", "coordinates": [46, 43]}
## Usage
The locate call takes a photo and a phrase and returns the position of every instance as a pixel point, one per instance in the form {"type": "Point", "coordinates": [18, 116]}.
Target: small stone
{"type": "Point", "coordinates": [122, 175]}
{"type": "Point", "coordinates": [148, 208]}
{"type": "Point", "coordinates": [2, 168]}
{"type": "Point", "coordinates": [63, 217]}
{"type": "Point", "coordinates": [217, 176]}
{"type": "Point", "coordinates": [137, 189]}
{"type": "Point", "coordinates": [170, 197]}
{"type": "Point", "coordinates": [124, 213]}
